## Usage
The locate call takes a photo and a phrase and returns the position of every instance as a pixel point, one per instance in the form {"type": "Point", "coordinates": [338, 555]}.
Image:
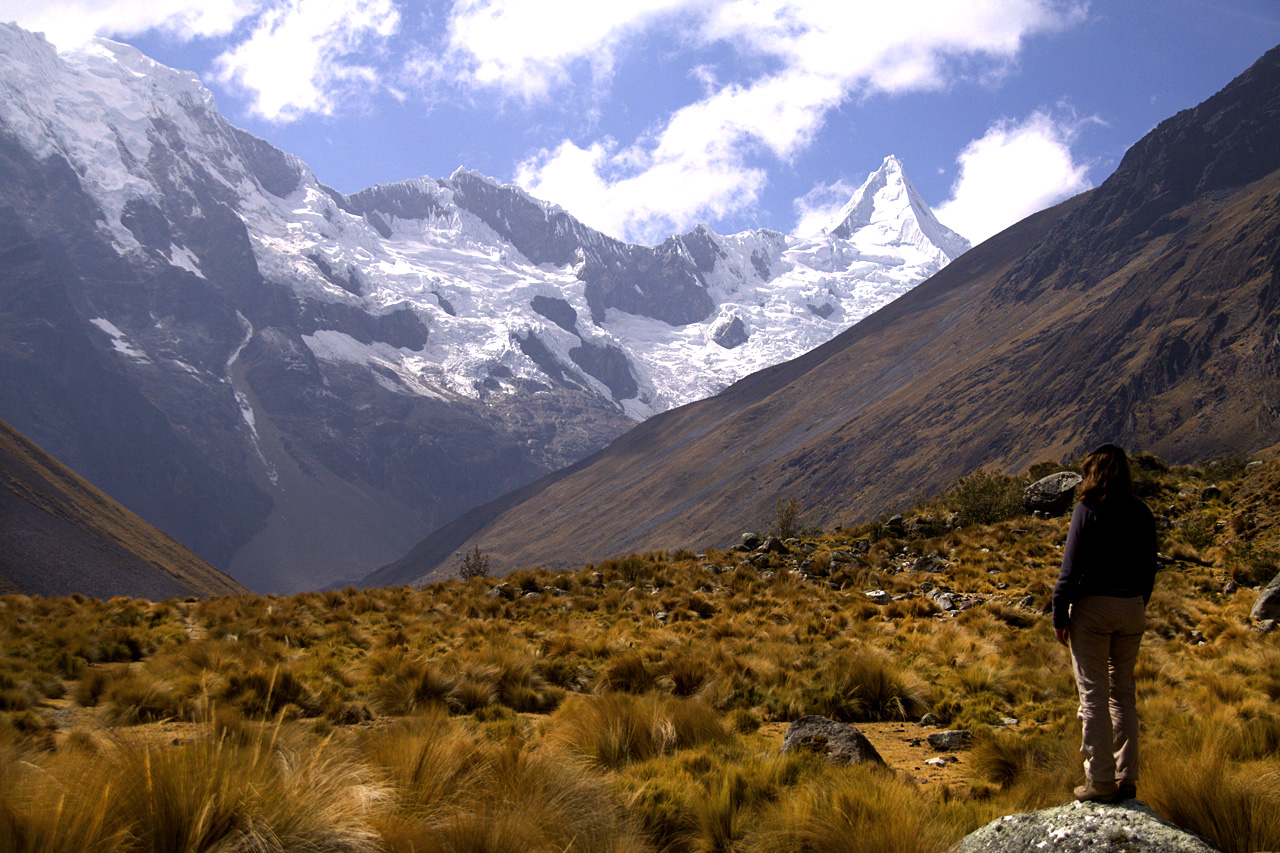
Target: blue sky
{"type": "Point", "coordinates": [645, 117]}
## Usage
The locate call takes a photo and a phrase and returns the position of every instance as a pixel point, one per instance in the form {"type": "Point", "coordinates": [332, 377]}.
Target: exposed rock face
{"type": "Point", "coordinates": [1129, 827]}
{"type": "Point", "coordinates": [1268, 604]}
{"type": "Point", "coordinates": [1052, 495]}
{"type": "Point", "coordinates": [730, 333]}
{"type": "Point", "coordinates": [840, 743]}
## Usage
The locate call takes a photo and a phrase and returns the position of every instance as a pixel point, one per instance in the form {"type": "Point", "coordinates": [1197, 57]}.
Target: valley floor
{"type": "Point", "coordinates": [639, 704]}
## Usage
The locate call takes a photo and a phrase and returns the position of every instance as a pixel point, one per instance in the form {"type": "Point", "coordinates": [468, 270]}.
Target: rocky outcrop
{"type": "Point", "coordinates": [1268, 604]}
{"type": "Point", "coordinates": [837, 742]}
{"type": "Point", "coordinates": [1129, 827]}
{"type": "Point", "coordinates": [1052, 495]}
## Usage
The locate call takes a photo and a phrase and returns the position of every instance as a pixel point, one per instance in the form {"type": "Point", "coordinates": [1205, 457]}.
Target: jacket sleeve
{"type": "Point", "coordinates": [1068, 574]}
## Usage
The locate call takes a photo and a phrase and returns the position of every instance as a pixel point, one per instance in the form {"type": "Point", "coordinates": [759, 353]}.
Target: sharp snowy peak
{"type": "Point", "coordinates": [328, 376]}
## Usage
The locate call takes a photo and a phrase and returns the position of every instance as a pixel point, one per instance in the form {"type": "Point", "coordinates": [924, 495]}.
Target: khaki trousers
{"type": "Point", "coordinates": [1105, 635]}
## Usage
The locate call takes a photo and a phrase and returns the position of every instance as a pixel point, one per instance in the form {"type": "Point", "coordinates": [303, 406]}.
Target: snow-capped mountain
{"type": "Point", "coordinates": [296, 382]}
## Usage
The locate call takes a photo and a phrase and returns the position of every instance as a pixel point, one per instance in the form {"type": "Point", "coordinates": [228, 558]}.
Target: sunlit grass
{"type": "Point", "coordinates": [570, 716]}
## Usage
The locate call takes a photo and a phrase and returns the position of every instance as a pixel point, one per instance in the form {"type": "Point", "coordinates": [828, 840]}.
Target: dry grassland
{"type": "Point", "coordinates": [638, 705]}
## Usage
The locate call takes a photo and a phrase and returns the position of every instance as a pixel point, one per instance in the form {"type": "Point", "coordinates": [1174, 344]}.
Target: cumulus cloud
{"type": "Point", "coordinates": [71, 23]}
{"type": "Point", "coordinates": [1014, 170]}
{"type": "Point", "coordinates": [815, 57]}
{"type": "Point", "coordinates": [526, 48]}
{"type": "Point", "coordinates": [817, 208]}
{"type": "Point", "coordinates": [296, 59]}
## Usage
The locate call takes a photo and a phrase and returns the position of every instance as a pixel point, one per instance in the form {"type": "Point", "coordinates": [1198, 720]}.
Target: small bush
{"type": "Point", "coordinates": [474, 565]}
{"type": "Point", "coordinates": [1251, 565]}
{"type": "Point", "coordinates": [786, 518]}
{"type": "Point", "coordinates": [986, 497]}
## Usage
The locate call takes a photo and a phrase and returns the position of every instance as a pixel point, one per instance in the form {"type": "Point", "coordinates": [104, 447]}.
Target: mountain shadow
{"type": "Point", "coordinates": [60, 535]}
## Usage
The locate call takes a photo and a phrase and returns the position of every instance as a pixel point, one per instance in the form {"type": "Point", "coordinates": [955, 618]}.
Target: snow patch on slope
{"type": "Point", "coordinates": [107, 108]}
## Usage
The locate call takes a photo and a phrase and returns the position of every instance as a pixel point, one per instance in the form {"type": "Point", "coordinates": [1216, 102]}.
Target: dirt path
{"type": "Point", "coordinates": [904, 748]}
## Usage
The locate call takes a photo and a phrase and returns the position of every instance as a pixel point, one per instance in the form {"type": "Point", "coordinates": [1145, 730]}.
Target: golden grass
{"type": "Point", "coordinates": [446, 719]}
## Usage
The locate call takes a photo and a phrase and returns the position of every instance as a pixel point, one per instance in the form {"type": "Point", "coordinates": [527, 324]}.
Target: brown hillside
{"type": "Point", "coordinates": [1146, 311]}
{"type": "Point", "coordinates": [59, 535]}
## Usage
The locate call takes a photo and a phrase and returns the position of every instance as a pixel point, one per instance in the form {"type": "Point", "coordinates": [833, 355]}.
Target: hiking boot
{"type": "Point", "coordinates": [1126, 790]}
{"type": "Point", "coordinates": [1096, 791]}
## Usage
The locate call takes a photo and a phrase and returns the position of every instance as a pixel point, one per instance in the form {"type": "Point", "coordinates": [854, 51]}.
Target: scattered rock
{"type": "Point", "coordinates": [1008, 721]}
{"type": "Point", "coordinates": [1210, 493]}
{"type": "Point", "coordinates": [662, 616]}
{"type": "Point", "coordinates": [1268, 604]}
{"type": "Point", "coordinates": [878, 596]}
{"type": "Point", "coordinates": [773, 545]}
{"type": "Point", "coordinates": [840, 743]}
{"type": "Point", "coordinates": [941, 760]}
{"type": "Point", "coordinates": [750, 541]}
{"type": "Point", "coordinates": [1052, 495]}
{"type": "Point", "coordinates": [1130, 827]}
{"type": "Point", "coordinates": [930, 720]}
{"type": "Point", "coordinates": [730, 332]}
{"type": "Point", "coordinates": [929, 563]}
{"type": "Point", "coordinates": [951, 739]}
{"type": "Point", "coordinates": [1230, 588]}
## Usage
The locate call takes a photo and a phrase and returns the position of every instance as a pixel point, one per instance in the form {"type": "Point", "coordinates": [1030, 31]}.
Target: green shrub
{"type": "Point", "coordinates": [986, 497]}
{"type": "Point", "coordinates": [786, 518]}
{"type": "Point", "coordinates": [1251, 565]}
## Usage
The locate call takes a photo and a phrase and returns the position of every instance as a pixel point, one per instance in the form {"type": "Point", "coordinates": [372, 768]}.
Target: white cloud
{"type": "Point", "coordinates": [816, 56]}
{"type": "Point", "coordinates": [296, 59]}
{"type": "Point", "coordinates": [1013, 171]}
{"type": "Point", "coordinates": [70, 23]}
{"type": "Point", "coordinates": [526, 48]}
{"type": "Point", "coordinates": [816, 208]}
{"type": "Point", "coordinates": [636, 195]}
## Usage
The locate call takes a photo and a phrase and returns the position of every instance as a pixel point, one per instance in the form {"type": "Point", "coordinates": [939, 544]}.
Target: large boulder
{"type": "Point", "coordinates": [1131, 827]}
{"type": "Point", "coordinates": [1268, 604]}
{"type": "Point", "coordinates": [1052, 495]}
{"type": "Point", "coordinates": [838, 742]}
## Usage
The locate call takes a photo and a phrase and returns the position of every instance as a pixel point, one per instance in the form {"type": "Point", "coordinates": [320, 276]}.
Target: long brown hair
{"type": "Point", "coordinates": [1106, 475]}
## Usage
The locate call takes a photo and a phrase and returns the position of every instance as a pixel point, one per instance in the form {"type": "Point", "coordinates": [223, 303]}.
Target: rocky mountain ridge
{"type": "Point", "coordinates": [1146, 311]}
{"type": "Point", "coordinates": [299, 383]}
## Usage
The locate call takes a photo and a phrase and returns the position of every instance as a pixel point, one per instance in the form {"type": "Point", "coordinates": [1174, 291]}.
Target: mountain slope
{"type": "Point", "coordinates": [60, 535]}
{"type": "Point", "coordinates": [299, 384]}
{"type": "Point", "coordinates": [1146, 311]}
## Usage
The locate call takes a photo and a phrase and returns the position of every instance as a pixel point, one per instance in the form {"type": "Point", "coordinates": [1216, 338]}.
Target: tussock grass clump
{"type": "Point", "coordinates": [857, 685]}
{"type": "Point", "coordinates": [615, 729]}
{"type": "Point", "coordinates": [862, 810]}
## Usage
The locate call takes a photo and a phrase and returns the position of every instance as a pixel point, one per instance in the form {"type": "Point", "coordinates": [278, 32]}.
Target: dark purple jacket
{"type": "Point", "coordinates": [1111, 550]}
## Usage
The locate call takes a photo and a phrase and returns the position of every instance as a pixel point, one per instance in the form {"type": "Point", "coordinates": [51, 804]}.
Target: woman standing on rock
{"type": "Point", "coordinates": [1099, 608]}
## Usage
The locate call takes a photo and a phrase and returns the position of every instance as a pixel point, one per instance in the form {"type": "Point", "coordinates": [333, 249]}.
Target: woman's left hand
{"type": "Point", "coordinates": [1063, 635]}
